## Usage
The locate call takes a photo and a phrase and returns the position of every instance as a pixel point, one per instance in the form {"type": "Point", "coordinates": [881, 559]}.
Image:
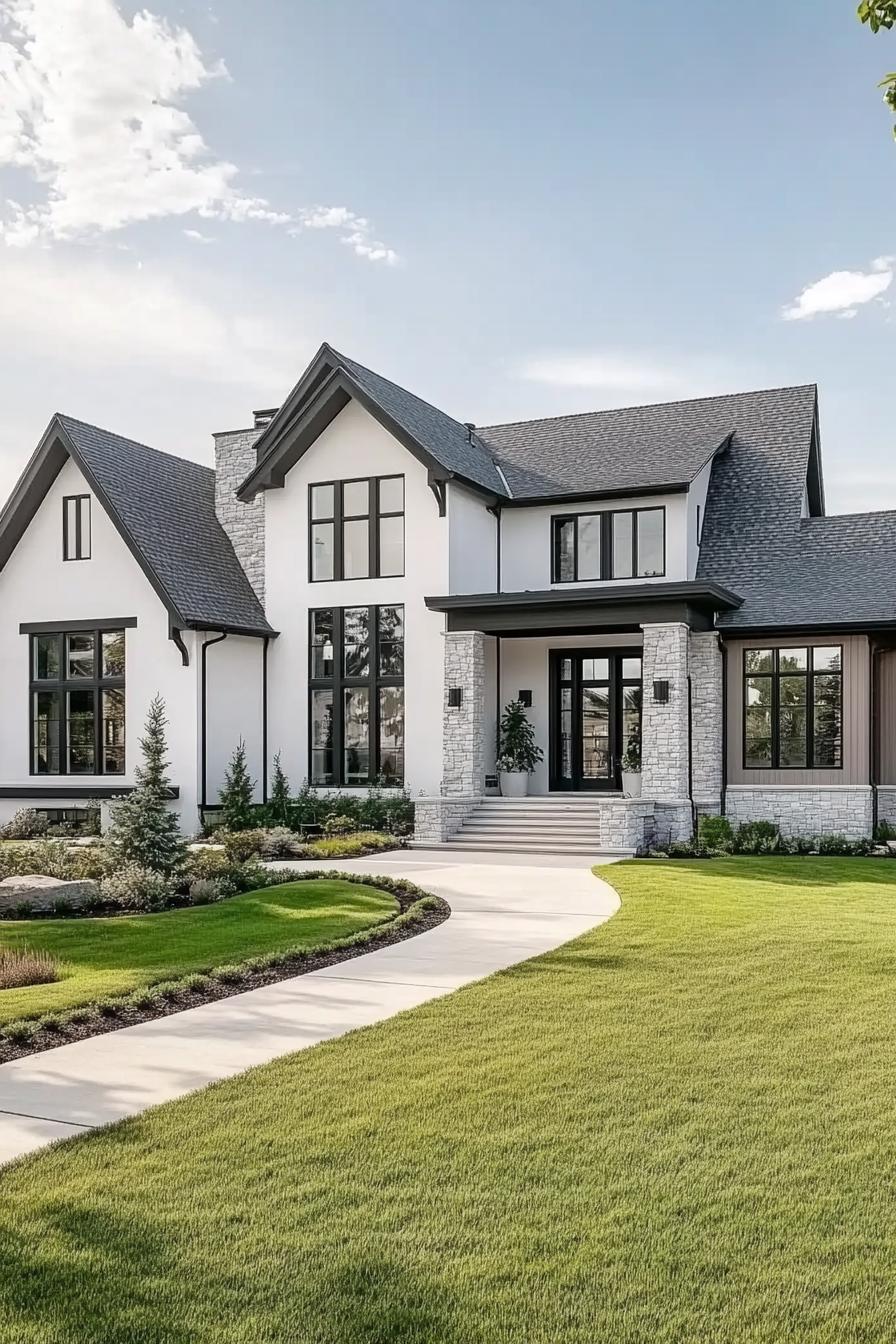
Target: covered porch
{"type": "Point", "coordinates": [598, 670]}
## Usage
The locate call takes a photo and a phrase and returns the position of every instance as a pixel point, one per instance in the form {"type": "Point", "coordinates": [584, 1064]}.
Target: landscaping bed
{"type": "Point", "coordinates": [162, 994]}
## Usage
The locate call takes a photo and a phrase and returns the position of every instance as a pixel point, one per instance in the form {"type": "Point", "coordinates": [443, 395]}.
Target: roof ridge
{"type": "Point", "coordinates": [135, 443]}
{"type": "Point", "coordinates": [647, 405]}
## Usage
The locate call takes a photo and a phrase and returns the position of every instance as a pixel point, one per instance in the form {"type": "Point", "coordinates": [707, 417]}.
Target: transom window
{"type": "Point", "coordinates": [793, 708]}
{"type": "Point", "coordinates": [77, 703]}
{"type": "Point", "coordinates": [357, 529]}
{"type": "Point", "coordinates": [76, 527]}
{"type": "Point", "coordinates": [356, 697]}
{"type": "Point", "coordinates": [614, 544]}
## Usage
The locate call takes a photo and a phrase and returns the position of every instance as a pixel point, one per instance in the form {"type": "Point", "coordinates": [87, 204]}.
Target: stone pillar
{"type": "Point", "coordinates": [463, 725]}
{"type": "Point", "coordinates": [243, 523]}
{"type": "Point", "coordinates": [664, 729]}
{"type": "Point", "coordinates": [707, 727]}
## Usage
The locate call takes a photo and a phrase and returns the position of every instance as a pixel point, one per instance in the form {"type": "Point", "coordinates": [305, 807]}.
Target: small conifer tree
{"type": "Point", "coordinates": [236, 795]}
{"type": "Point", "coordinates": [144, 830]}
{"type": "Point", "coordinates": [279, 803]}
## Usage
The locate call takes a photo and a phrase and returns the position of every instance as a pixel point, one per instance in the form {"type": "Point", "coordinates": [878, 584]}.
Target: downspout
{"type": "Point", "coordinates": [691, 756]}
{"type": "Point", "coordinates": [203, 769]}
{"type": "Point", "coordinates": [264, 719]}
{"type": "Point", "coordinates": [875, 651]}
{"type": "Point", "coordinates": [723, 803]}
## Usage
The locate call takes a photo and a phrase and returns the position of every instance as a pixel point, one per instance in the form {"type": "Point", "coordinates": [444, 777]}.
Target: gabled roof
{"type": "Point", "coordinates": [448, 448]}
{"type": "Point", "coordinates": [164, 509]}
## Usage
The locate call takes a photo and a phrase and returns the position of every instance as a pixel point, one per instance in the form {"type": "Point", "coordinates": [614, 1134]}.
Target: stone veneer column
{"type": "Point", "coordinates": [706, 720]}
{"type": "Point", "coordinates": [664, 728]}
{"type": "Point", "coordinates": [463, 726]}
{"type": "Point", "coordinates": [243, 523]}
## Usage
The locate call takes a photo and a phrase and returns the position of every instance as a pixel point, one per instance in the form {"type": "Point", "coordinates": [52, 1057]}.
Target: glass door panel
{"type": "Point", "coordinates": [595, 716]}
{"type": "Point", "coordinates": [597, 756]}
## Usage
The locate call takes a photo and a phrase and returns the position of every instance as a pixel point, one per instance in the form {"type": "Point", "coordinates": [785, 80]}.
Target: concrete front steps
{"type": "Point", "coordinates": [555, 825]}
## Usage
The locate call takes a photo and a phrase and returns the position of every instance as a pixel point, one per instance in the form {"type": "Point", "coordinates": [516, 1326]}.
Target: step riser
{"type": "Point", "coordinates": [584, 834]}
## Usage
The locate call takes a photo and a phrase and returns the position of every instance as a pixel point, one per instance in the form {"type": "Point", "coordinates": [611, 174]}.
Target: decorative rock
{"type": "Point", "coordinates": [42, 892]}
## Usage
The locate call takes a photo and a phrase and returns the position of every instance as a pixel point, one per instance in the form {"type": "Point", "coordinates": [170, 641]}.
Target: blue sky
{"type": "Point", "coordinates": [515, 209]}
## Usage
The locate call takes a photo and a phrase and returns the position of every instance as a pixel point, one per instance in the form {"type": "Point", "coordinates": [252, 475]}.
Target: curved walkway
{"type": "Point", "coordinates": [503, 911]}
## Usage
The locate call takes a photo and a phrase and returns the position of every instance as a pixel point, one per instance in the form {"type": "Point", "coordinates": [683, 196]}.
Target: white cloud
{"type": "Point", "coordinates": [90, 112]}
{"type": "Point", "coordinates": [842, 292]}
{"type": "Point", "coordinates": [78, 310]}
{"type": "Point", "coordinates": [355, 230]}
{"type": "Point", "coordinates": [196, 236]}
{"type": "Point", "coordinates": [626, 377]}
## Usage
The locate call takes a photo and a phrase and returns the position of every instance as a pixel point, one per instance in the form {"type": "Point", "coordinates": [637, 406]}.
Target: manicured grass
{"type": "Point", "coordinates": [112, 956]}
{"type": "Point", "coordinates": [681, 1127]}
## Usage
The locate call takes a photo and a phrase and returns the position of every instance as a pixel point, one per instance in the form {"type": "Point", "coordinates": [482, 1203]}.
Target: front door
{"type": "Point", "coordinates": [595, 716]}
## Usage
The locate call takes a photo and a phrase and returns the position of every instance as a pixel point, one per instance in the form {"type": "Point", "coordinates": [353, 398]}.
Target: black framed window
{"type": "Point", "coordinates": [77, 707]}
{"type": "Point", "coordinates": [356, 695]}
{"type": "Point", "coordinates": [612, 544]}
{"type": "Point", "coordinates": [793, 708]}
{"type": "Point", "coordinates": [356, 529]}
{"type": "Point", "coordinates": [76, 527]}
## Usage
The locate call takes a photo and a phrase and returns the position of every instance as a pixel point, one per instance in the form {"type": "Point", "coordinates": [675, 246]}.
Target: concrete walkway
{"type": "Point", "coordinates": [504, 910]}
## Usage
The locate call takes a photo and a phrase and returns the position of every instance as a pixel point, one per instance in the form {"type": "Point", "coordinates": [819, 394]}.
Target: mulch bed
{"type": "Point", "coordinates": [299, 964]}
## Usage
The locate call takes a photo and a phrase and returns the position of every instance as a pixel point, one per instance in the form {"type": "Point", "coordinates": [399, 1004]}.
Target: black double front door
{"type": "Point", "coordinates": [595, 715]}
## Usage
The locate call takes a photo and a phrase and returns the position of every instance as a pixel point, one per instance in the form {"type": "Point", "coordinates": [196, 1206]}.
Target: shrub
{"type": "Point", "coordinates": [884, 832]}
{"type": "Point", "coordinates": [280, 843]}
{"type": "Point", "coordinates": [20, 966]}
{"type": "Point", "coordinates": [214, 866]}
{"type": "Point", "coordinates": [228, 975]}
{"type": "Point", "coordinates": [19, 1032]}
{"type": "Point", "coordinates": [205, 891]}
{"type": "Point", "coordinates": [842, 845]}
{"type": "Point", "coordinates": [682, 849]}
{"type": "Point", "coordinates": [341, 824]}
{"type": "Point", "coordinates": [237, 810]}
{"type": "Point", "coordinates": [278, 809]}
{"type": "Point", "coordinates": [242, 845]}
{"type": "Point", "coordinates": [802, 845]}
{"type": "Point", "coordinates": [196, 983]}
{"type": "Point", "coordinates": [144, 831]}
{"type": "Point", "coordinates": [337, 847]}
{"type": "Point", "coordinates": [134, 888]}
{"type": "Point", "coordinates": [758, 837]}
{"type": "Point", "coordinates": [715, 833]}
{"type": "Point", "coordinates": [26, 824]}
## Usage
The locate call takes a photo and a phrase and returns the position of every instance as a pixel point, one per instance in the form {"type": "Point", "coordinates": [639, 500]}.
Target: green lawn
{"type": "Point", "coordinates": [113, 956]}
{"type": "Point", "coordinates": [681, 1127]}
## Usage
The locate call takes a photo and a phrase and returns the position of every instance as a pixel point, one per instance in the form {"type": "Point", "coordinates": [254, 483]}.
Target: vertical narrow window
{"type": "Point", "coordinates": [323, 531]}
{"type": "Point", "coordinates": [356, 530]}
{"type": "Point", "coordinates": [588, 559]}
{"type": "Point", "coordinates": [76, 527]}
{"type": "Point", "coordinates": [390, 526]}
{"type": "Point", "coordinates": [793, 708]}
{"type": "Point", "coordinates": [623, 546]}
{"type": "Point", "coordinates": [650, 543]}
{"type": "Point", "coordinates": [78, 703]}
{"type": "Point", "coordinates": [356, 707]}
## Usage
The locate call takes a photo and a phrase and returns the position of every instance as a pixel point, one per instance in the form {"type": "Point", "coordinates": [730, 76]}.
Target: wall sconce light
{"type": "Point", "coordinates": [661, 692]}
{"type": "Point", "coordinates": [455, 697]}
{"type": "Point", "coordinates": [525, 698]}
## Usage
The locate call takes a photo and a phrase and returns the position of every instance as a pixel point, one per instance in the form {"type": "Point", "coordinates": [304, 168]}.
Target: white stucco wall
{"type": "Point", "coordinates": [356, 445]}
{"type": "Point", "coordinates": [472, 531]}
{"type": "Point", "coordinates": [37, 585]}
{"type": "Point", "coordinates": [526, 541]}
{"type": "Point", "coordinates": [696, 514]}
{"type": "Point", "coordinates": [524, 666]}
{"type": "Point", "coordinates": [234, 698]}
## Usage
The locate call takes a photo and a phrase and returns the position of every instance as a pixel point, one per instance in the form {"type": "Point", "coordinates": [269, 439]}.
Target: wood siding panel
{"type": "Point", "coordinates": [886, 711]}
{"type": "Point", "coordinates": [856, 713]}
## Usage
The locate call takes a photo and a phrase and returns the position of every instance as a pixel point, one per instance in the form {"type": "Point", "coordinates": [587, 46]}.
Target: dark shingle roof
{"type": "Point", "coordinates": [447, 440]}
{"type": "Point", "coordinates": [166, 505]}
{"type": "Point", "coordinates": [598, 452]}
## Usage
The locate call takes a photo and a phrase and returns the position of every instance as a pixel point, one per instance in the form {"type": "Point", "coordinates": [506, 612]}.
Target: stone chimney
{"type": "Point", "coordinates": [243, 523]}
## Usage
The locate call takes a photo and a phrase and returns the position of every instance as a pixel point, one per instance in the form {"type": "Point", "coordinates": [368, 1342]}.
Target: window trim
{"type": "Point", "coordinates": [340, 518]}
{"type": "Point", "coordinates": [607, 525]}
{"type": "Point", "coordinates": [775, 674]}
{"type": "Point", "coordinates": [339, 683]}
{"type": "Point", "coordinates": [78, 539]}
{"type": "Point", "coordinates": [62, 685]}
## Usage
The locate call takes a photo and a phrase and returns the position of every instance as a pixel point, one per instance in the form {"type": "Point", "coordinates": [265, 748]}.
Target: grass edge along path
{"type": "Point", "coordinates": [679, 1127]}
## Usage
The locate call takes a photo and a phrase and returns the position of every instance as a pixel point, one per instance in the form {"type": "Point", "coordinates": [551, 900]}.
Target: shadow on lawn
{"type": "Point", "coordinates": [380, 1303]}
{"type": "Point", "coordinates": [69, 1288]}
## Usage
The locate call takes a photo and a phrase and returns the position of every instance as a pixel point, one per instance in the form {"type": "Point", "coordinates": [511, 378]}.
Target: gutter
{"type": "Point", "coordinates": [723, 802]}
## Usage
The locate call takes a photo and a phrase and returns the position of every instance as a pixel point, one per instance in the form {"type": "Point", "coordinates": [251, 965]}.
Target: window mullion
{"type": "Point", "coordinates": [810, 713]}
{"type": "Point", "coordinates": [373, 526]}
{"type": "Point", "coordinates": [373, 757]}
{"type": "Point", "coordinates": [337, 530]}
{"type": "Point", "coordinates": [575, 549]}
{"type": "Point", "coordinates": [338, 691]}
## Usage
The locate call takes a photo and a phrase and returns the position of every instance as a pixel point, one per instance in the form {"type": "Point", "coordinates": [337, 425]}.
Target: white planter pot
{"type": "Point", "coordinates": [631, 784]}
{"type": "Point", "coordinates": [514, 783]}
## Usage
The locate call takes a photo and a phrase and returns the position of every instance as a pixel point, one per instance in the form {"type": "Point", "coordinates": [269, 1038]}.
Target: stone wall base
{"type": "Point", "coordinates": [672, 821]}
{"type": "Point", "coordinates": [886, 803]}
{"type": "Point", "coordinates": [805, 811]}
{"type": "Point", "coordinates": [437, 819]}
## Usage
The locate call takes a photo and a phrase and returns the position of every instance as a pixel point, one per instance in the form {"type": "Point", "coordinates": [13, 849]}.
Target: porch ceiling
{"type": "Point", "coordinates": [622, 607]}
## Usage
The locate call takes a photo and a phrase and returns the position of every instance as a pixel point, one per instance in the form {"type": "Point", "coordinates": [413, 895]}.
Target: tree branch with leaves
{"type": "Point", "coordinates": [880, 14]}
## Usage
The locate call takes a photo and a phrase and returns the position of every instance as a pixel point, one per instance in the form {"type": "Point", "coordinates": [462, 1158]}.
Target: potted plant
{"type": "Point", "coordinates": [518, 753]}
{"type": "Point", "coordinates": [631, 769]}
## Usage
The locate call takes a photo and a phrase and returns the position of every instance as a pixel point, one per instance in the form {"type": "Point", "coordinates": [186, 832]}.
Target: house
{"type": "Point", "coordinates": [363, 582]}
